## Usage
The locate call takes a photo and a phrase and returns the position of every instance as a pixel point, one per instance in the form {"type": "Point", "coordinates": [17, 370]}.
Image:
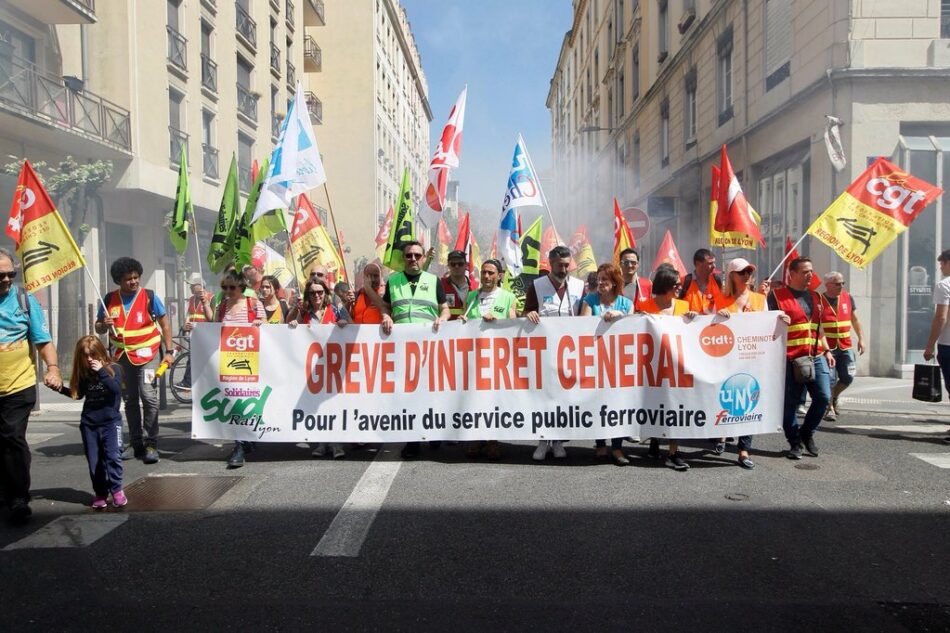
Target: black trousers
{"type": "Point", "coordinates": [14, 451]}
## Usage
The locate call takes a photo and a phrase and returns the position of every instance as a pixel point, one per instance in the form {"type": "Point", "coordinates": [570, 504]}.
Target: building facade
{"type": "Point", "coordinates": [645, 93]}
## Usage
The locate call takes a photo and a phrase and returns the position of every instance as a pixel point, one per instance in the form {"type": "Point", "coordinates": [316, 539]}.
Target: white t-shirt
{"type": "Point", "coordinates": [942, 298]}
{"type": "Point", "coordinates": [486, 300]}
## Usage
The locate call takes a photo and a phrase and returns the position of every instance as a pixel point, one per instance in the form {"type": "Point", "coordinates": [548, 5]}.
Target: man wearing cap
{"type": "Point", "coordinates": [702, 287]}
{"type": "Point", "coordinates": [838, 319]}
{"type": "Point", "coordinates": [199, 311]}
{"type": "Point", "coordinates": [457, 284]}
{"type": "Point", "coordinates": [635, 287]}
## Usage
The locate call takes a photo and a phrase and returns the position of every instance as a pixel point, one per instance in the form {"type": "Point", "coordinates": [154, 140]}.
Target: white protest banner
{"type": "Point", "coordinates": [575, 378]}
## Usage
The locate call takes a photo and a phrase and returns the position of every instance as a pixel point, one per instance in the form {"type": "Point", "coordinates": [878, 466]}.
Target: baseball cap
{"type": "Point", "coordinates": [457, 255]}
{"type": "Point", "coordinates": [739, 264]}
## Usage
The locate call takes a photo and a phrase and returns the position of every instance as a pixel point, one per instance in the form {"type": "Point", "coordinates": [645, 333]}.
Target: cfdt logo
{"type": "Point", "coordinates": [738, 396]}
{"type": "Point", "coordinates": [716, 340]}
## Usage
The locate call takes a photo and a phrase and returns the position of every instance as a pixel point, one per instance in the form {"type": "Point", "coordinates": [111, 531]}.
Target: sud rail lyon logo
{"type": "Point", "coordinates": [738, 397]}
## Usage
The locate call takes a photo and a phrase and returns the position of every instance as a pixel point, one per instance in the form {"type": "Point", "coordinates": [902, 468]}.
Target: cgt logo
{"type": "Point", "coordinates": [717, 340]}
{"type": "Point", "coordinates": [738, 397]}
{"type": "Point", "coordinates": [240, 339]}
{"type": "Point", "coordinates": [890, 193]}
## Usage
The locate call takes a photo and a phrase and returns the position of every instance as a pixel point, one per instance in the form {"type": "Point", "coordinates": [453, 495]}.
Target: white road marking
{"type": "Point", "coordinates": [351, 525]}
{"type": "Point", "coordinates": [71, 531]}
{"type": "Point", "coordinates": [39, 438]}
{"type": "Point", "coordinates": [896, 428]}
{"type": "Point", "coordinates": [940, 460]}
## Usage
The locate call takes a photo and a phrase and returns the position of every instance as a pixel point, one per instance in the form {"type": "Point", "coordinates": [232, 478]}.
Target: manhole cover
{"type": "Point", "coordinates": [181, 492]}
{"type": "Point", "coordinates": [737, 496]}
{"type": "Point", "coordinates": [807, 466]}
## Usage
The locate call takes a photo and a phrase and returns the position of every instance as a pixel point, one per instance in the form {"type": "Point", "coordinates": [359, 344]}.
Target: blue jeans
{"type": "Point", "coordinates": [943, 359]}
{"type": "Point", "coordinates": [844, 367]}
{"type": "Point", "coordinates": [103, 446]}
{"type": "Point", "coordinates": [820, 392]}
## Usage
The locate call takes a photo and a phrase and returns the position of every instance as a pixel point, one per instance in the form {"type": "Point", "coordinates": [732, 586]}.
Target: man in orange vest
{"type": "Point", "coordinates": [457, 284]}
{"type": "Point", "coordinates": [198, 311]}
{"type": "Point", "coordinates": [838, 319]}
{"type": "Point", "coordinates": [368, 307]}
{"type": "Point", "coordinates": [137, 324]}
{"type": "Point", "coordinates": [803, 309]}
{"type": "Point", "coordinates": [702, 287]}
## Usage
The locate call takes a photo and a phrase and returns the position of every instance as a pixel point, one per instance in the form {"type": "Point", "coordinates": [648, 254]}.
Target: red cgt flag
{"type": "Point", "coordinates": [734, 213]}
{"type": "Point", "coordinates": [668, 254]}
{"type": "Point", "coordinates": [623, 236]}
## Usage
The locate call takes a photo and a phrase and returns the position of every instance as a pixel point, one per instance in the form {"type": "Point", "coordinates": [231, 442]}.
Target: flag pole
{"type": "Point", "coordinates": [194, 223]}
{"type": "Point", "coordinates": [540, 188]}
{"type": "Point", "coordinates": [290, 244]}
{"type": "Point", "coordinates": [789, 252]}
{"type": "Point", "coordinates": [95, 287]}
{"type": "Point", "coordinates": [336, 231]}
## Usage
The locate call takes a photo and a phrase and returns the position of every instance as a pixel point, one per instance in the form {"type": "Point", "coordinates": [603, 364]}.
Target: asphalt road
{"type": "Point", "coordinates": [856, 539]}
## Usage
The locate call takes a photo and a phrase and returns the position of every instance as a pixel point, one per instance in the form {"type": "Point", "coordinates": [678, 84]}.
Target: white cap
{"type": "Point", "coordinates": [739, 264]}
{"type": "Point", "coordinates": [194, 279]}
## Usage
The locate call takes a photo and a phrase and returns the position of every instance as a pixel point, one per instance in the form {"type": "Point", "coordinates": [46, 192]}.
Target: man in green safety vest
{"type": "Point", "coordinates": [414, 296]}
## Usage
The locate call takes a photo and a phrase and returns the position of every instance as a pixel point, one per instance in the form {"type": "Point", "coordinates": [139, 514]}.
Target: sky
{"type": "Point", "coordinates": [506, 51]}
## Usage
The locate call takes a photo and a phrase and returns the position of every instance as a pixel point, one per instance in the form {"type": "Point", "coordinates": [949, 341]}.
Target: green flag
{"type": "Point", "coordinates": [178, 231]}
{"type": "Point", "coordinates": [531, 249]}
{"type": "Point", "coordinates": [404, 227]}
{"type": "Point", "coordinates": [219, 254]}
{"type": "Point", "coordinates": [271, 222]}
{"type": "Point", "coordinates": [242, 241]}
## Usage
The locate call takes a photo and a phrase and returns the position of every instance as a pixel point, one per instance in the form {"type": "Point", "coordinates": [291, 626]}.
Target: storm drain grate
{"type": "Point", "coordinates": [920, 616]}
{"type": "Point", "coordinates": [176, 492]}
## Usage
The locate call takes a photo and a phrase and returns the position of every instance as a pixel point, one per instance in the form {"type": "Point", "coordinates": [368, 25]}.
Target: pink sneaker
{"type": "Point", "coordinates": [99, 503]}
{"type": "Point", "coordinates": [119, 499]}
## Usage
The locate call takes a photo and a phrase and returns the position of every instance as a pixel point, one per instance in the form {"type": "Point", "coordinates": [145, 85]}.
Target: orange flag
{"type": "Point", "coordinates": [668, 254]}
{"type": "Point", "coordinates": [623, 236]}
{"type": "Point", "coordinates": [382, 236]}
{"type": "Point", "coordinates": [549, 240]}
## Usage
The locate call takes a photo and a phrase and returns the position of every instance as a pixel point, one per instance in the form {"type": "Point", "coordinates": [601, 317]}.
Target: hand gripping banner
{"type": "Point", "coordinates": [571, 379]}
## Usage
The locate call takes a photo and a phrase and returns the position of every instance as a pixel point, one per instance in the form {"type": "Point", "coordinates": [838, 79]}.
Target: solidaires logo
{"type": "Point", "coordinates": [738, 397]}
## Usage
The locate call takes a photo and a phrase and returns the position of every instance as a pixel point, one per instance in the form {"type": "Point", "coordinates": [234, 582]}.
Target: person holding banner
{"type": "Point", "coordinates": [607, 302]}
{"type": "Point", "coordinates": [22, 324]}
{"type": "Point", "coordinates": [275, 309]}
{"type": "Point", "coordinates": [554, 295]}
{"type": "Point", "coordinates": [137, 324]}
{"type": "Point", "coordinates": [805, 368]}
{"type": "Point", "coordinates": [838, 318]}
{"type": "Point", "coordinates": [666, 285]}
{"type": "Point", "coordinates": [635, 287]}
{"type": "Point", "coordinates": [490, 302]}
{"type": "Point", "coordinates": [702, 287]}
{"type": "Point", "coordinates": [738, 296]}
{"type": "Point", "coordinates": [368, 307]}
{"type": "Point", "coordinates": [457, 284]}
{"type": "Point", "coordinates": [414, 296]}
{"type": "Point", "coordinates": [236, 307]}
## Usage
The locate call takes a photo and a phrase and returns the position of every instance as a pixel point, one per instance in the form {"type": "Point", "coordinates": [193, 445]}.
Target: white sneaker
{"type": "Point", "coordinates": [319, 451]}
{"type": "Point", "coordinates": [831, 415]}
{"type": "Point", "coordinates": [338, 452]}
{"type": "Point", "coordinates": [557, 446]}
{"type": "Point", "coordinates": [541, 451]}
{"type": "Point", "coordinates": [801, 410]}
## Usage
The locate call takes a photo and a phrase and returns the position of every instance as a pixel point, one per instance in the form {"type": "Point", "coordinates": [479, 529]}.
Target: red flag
{"type": "Point", "coordinates": [549, 240]}
{"type": "Point", "coordinates": [734, 213]}
{"type": "Point", "coordinates": [668, 254]}
{"type": "Point", "coordinates": [463, 241]}
{"type": "Point", "coordinates": [793, 254]}
{"type": "Point", "coordinates": [445, 241]}
{"type": "Point", "coordinates": [255, 168]}
{"type": "Point", "coordinates": [382, 236]}
{"type": "Point", "coordinates": [623, 236]}
{"type": "Point", "coordinates": [446, 155]}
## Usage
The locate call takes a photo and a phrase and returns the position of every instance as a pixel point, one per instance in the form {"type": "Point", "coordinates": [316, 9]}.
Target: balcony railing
{"type": "Point", "coordinates": [209, 74]}
{"type": "Point", "coordinates": [275, 121]}
{"type": "Point", "coordinates": [244, 177]}
{"type": "Point", "coordinates": [289, 14]}
{"type": "Point", "coordinates": [176, 140]}
{"type": "Point", "coordinates": [291, 76]}
{"type": "Point", "coordinates": [210, 161]}
{"type": "Point", "coordinates": [246, 103]}
{"type": "Point", "coordinates": [246, 26]}
{"type": "Point", "coordinates": [315, 16]}
{"type": "Point", "coordinates": [44, 97]}
{"type": "Point", "coordinates": [275, 59]}
{"type": "Point", "coordinates": [312, 55]}
{"type": "Point", "coordinates": [314, 107]}
{"type": "Point", "coordinates": [177, 49]}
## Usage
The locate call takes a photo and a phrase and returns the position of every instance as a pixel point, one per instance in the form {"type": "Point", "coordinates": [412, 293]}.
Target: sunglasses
{"type": "Point", "coordinates": [743, 272]}
{"type": "Point", "coordinates": [8, 275]}
{"type": "Point", "coordinates": [316, 293]}
{"type": "Point", "coordinates": [629, 262]}
{"type": "Point", "coordinates": [412, 256]}
{"type": "Point", "coordinates": [456, 264]}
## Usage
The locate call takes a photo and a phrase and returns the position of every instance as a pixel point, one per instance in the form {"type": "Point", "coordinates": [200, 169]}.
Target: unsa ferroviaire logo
{"type": "Point", "coordinates": [738, 397]}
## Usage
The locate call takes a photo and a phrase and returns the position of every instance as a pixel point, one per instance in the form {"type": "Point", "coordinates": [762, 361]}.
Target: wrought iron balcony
{"type": "Point", "coordinates": [289, 14]}
{"type": "Point", "coordinates": [314, 107]}
{"type": "Point", "coordinates": [314, 13]}
{"type": "Point", "coordinates": [312, 55]}
{"type": "Point", "coordinates": [177, 49]}
{"type": "Point", "coordinates": [209, 74]}
{"type": "Point", "coordinates": [210, 161]}
{"type": "Point", "coordinates": [246, 26]}
{"type": "Point", "coordinates": [246, 103]}
{"type": "Point", "coordinates": [275, 59]}
{"type": "Point", "coordinates": [44, 97]}
{"type": "Point", "coordinates": [291, 76]}
{"type": "Point", "coordinates": [176, 140]}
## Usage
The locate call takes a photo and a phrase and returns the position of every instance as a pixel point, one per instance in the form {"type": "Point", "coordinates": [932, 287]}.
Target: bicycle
{"type": "Point", "coordinates": [179, 373]}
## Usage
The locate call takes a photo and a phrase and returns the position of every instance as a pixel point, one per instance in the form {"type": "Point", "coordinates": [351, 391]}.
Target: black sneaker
{"type": "Point", "coordinates": [410, 450]}
{"type": "Point", "coordinates": [810, 447]}
{"type": "Point", "coordinates": [676, 462]}
{"type": "Point", "coordinates": [151, 455]}
{"type": "Point", "coordinates": [236, 459]}
{"type": "Point", "coordinates": [794, 451]}
{"type": "Point", "coordinates": [719, 448]}
{"type": "Point", "coordinates": [746, 463]}
{"type": "Point", "coordinates": [654, 452]}
{"type": "Point", "coordinates": [20, 512]}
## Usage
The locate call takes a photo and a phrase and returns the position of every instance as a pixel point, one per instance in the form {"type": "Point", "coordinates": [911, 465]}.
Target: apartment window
{"type": "Point", "coordinates": [177, 44]}
{"type": "Point", "coordinates": [209, 152]}
{"type": "Point", "coordinates": [274, 49]}
{"type": "Point", "coordinates": [689, 116]}
{"type": "Point", "coordinates": [176, 125]}
{"type": "Point", "coordinates": [664, 132]}
{"type": "Point", "coordinates": [621, 88]}
{"type": "Point", "coordinates": [23, 45]}
{"type": "Point", "coordinates": [246, 101]}
{"type": "Point", "coordinates": [663, 28]}
{"type": "Point", "coordinates": [174, 14]}
{"type": "Point", "coordinates": [635, 73]}
{"type": "Point", "coordinates": [635, 159]}
{"type": "Point", "coordinates": [778, 41]}
{"type": "Point", "coordinates": [245, 154]}
{"type": "Point", "coordinates": [724, 76]}
{"type": "Point", "coordinates": [209, 69]}
{"type": "Point", "coordinates": [945, 19]}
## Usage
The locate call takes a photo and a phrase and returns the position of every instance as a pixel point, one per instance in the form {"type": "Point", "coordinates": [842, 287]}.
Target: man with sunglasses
{"type": "Point", "coordinates": [21, 324]}
{"type": "Point", "coordinates": [457, 284]}
{"type": "Point", "coordinates": [635, 287]}
{"type": "Point", "coordinates": [838, 319]}
{"type": "Point", "coordinates": [414, 296]}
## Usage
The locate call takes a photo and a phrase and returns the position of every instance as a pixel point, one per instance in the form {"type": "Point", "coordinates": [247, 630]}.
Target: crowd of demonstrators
{"type": "Point", "coordinates": [137, 325]}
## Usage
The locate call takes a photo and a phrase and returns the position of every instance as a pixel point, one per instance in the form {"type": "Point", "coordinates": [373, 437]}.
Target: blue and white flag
{"type": "Point", "coordinates": [295, 164]}
{"type": "Point", "coordinates": [523, 190]}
